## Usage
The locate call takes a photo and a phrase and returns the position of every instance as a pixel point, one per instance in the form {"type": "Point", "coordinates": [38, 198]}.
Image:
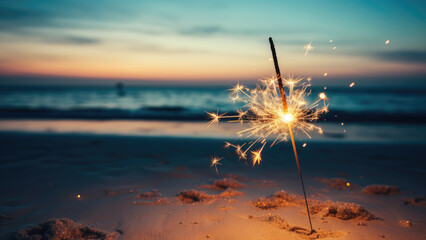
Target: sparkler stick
{"type": "Point", "coordinates": [285, 108]}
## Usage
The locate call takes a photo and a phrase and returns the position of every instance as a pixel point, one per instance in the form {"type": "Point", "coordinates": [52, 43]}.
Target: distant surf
{"type": "Point", "coordinates": [359, 105]}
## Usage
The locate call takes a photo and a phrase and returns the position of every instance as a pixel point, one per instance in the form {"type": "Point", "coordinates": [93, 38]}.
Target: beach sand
{"type": "Point", "coordinates": [158, 187]}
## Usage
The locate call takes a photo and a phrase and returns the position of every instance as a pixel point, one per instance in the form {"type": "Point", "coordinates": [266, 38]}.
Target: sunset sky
{"type": "Point", "coordinates": [212, 41]}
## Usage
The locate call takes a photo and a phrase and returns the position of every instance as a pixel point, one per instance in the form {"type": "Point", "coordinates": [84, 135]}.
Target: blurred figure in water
{"type": "Point", "coordinates": [120, 89]}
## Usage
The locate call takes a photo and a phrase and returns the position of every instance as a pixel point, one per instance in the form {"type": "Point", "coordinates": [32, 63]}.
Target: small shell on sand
{"type": "Point", "coordinates": [279, 199]}
{"type": "Point", "coordinates": [63, 228]}
{"type": "Point", "coordinates": [380, 190]}
{"type": "Point", "coordinates": [342, 210]}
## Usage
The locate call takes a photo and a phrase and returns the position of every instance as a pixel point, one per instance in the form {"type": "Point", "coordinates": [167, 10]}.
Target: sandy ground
{"type": "Point", "coordinates": [130, 185]}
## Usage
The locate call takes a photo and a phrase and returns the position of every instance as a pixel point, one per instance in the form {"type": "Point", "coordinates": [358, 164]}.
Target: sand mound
{"type": "Point", "coordinates": [341, 210]}
{"type": "Point", "coordinates": [59, 229]}
{"type": "Point", "coordinates": [192, 196]}
{"type": "Point", "coordinates": [302, 232]}
{"type": "Point", "coordinates": [224, 184]}
{"type": "Point", "coordinates": [418, 201]}
{"type": "Point", "coordinates": [279, 199]}
{"type": "Point", "coordinates": [151, 194]}
{"type": "Point", "coordinates": [380, 190]}
{"type": "Point", "coordinates": [335, 183]}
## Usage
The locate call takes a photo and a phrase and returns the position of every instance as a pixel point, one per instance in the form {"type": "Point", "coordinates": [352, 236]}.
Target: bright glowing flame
{"type": "Point", "coordinates": [287, 118]}
{"type": "Point", "coordinates": [348, 184]}
{"type": "Point", "coordinates": [78, 196]}
{"type": "Point", "coordinates": [322, 95]}
{"type": "Point", "coordinates": [304, 145]}
{"type": "Point", "coordinates": [387, 42]}
{"type": "Point", "coordinates": [352, 84]}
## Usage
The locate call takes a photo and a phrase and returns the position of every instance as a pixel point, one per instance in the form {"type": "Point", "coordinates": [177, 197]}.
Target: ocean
{"type": "Point", "coordinates": [190, 103]}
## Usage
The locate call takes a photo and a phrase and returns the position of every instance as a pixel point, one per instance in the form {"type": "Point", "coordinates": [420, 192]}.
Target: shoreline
{"type": "Point", "coordinates": [333, 132]}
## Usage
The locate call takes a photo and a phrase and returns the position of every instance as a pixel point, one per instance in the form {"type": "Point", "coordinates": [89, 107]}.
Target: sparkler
{"type": "Point", "coordinates": [271, 115]}
{"type": "Point", "coordinates": [285, 107]}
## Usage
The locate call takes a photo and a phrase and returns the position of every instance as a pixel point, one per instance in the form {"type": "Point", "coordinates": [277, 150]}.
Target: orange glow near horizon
{"type": "Point", "coordinates": [247, 61]}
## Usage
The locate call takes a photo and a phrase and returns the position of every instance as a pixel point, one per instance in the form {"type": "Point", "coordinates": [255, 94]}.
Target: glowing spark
{"type": "Point", "coordinates": [387, 42]}
{"type": "Point", "coordinates": [270, 59]}
{"type": "Point", "coordinates": [325, 88]}
{"type": "Point", "coordinates": [214, 162]}
{"type": "Point", "coordinates": [215, 118]}
{"type": "Point", "coordinates": [322, 95]}
{"type": "Point", "coordinates": [325, 74]}
{"type": "Point", "coordinates": [342, 124]}
{"type": "Point", "coordinates": [237, 89]}
{"type": "Point", "coordinates": [308, 48]}
{"type": "Point", "coordinates": [334, 48]}
{"type": "Point", "coordinates": [304, 145]}
{"type": "Point", "coordinates": [331, 41]}
{"type": "Point", "coordinates": [256, 157]}
{"type": "Point", "coordinates": [309, 79]}
{"type": "Point", "coordinates": [352, 84]}
{"type": "Point", "coordinates": [78, 196]}
{"type": "Point", "coordinates": [348, 184]}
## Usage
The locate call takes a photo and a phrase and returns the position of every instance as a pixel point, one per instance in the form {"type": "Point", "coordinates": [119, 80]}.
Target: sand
{"type": "Point", "coordinates": [299, 231]}
{"type": "Point", "coordinates": [380, 190]}
{"type": "Point", "coordinates": [133, 186]}
{"type": "Point", "coordinates": [60, 229]}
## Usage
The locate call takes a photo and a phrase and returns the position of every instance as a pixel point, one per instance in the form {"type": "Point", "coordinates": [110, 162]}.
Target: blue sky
{"type": "Point", "coordinates": [213, 41]}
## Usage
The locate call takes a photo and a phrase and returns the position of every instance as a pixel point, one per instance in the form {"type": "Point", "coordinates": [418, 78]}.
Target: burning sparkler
{"type": "Point", "coordinates": [308, 47]}
{"type": "Point", "coordinates": [273, 116]}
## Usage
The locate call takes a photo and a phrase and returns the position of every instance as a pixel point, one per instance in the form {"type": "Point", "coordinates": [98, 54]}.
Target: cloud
{"type": "Point", "coordinates": [202, 30]}
{"type": "Point", "coordinates": [75, 40]}
{"type": "Point", "coordinates": [404, 56]}
{"type": "Point", "coordinates": [160, 49]}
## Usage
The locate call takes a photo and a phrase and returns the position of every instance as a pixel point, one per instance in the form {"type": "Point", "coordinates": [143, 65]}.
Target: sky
{"type": "Point", "coordinates": [212, 41]}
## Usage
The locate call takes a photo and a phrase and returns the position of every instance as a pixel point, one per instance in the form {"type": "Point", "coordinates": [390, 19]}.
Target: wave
{"type": "Point", "coordinates": [184, 114]}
